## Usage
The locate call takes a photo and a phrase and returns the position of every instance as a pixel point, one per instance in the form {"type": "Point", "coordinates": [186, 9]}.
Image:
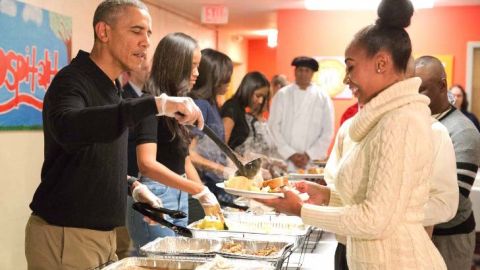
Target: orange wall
{"type": "Point", "coordinates": [261, 57]}
{"type": "Point", "coordinates": [442, 31]}
{"type": "Point", "coordinates": [437, 31]}
{"type": "Point", "coordinates": [447, 31]}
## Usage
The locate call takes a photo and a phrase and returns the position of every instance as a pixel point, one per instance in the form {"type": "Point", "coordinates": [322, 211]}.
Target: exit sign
{"type": "Point", "coordinates": [214, 14]}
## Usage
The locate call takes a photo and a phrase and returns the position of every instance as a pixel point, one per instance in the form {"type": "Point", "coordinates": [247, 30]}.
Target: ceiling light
{"type": "Point", "coordinates": [272, 36]}
{"type": "Point", "coordinates": [357, 4]}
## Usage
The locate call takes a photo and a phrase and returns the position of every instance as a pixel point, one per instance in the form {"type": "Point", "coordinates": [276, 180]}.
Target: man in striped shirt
{"type": "Point", "coordinates": [454, 239]}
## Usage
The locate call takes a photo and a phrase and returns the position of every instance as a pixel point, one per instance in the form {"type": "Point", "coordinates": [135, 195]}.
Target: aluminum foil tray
{"type": "Point", "coordinates": [182, 246]}
{"type": "Point", "coordinates": [254, 249]}
{"type": "Point", "coordinates": [141, 263]}
{"type": "Point", "coordinates": [283, 228]}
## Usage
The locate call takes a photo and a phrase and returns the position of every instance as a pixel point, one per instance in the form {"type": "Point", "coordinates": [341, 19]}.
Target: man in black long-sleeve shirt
{"type": "Point", "coordinates": [81, 197]}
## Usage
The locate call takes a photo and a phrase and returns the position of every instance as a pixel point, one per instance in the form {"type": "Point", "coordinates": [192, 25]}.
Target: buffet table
{"type": "Point", "coordinates": [475, 197]}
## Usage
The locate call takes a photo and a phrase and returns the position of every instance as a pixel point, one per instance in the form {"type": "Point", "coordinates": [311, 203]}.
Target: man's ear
{"type": "Point", "coordinates": [101, 31]}
{"type": "Point", "coordinates": [444, 83]}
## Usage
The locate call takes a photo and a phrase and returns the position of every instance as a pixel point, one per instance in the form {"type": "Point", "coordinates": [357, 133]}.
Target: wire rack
{"type": "Point", "coordinates": [308, 245]}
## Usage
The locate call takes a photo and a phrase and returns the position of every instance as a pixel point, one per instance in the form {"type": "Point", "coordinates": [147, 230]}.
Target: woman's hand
{"type": "Point", "coordinates": [209, 203]}
{"type": "Point", "coordinates": [318, 194]}
{"type": "Point", "coordinates": [291, 204]}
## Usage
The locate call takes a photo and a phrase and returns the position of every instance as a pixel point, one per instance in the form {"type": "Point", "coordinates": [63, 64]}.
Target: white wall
{"type": "Point", "coordinates": [21, 152]}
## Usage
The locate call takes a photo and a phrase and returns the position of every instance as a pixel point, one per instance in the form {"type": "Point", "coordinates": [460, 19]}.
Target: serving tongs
{"type": "Point", "coordinates": [156, 215]}
{"type": "Point", "coordinates": [233, 205]}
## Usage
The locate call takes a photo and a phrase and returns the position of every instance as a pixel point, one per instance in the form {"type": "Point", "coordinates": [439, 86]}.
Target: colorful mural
{"type": "Point", "coordinates": [34, 45]}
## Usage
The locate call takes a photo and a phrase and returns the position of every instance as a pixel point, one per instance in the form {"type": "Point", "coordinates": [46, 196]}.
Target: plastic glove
{"type": "Point", "coordinates": [181, 108]}
{"type": "Point", "coordinates": [141, 193]}
{"type": "Point", "coordinates": [209, 202]}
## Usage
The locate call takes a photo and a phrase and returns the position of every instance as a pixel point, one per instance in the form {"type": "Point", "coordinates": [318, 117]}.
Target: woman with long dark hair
{"type": "Point", "coordinates": [382, 183]}
{"type": "Point", "coordinates": [215, 72]}
{"type": "Point", "coordinates": [162, 144]}
{"type": "Point", "coordinates": [253, 93]}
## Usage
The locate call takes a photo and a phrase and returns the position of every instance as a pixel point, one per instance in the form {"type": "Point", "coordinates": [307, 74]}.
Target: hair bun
{"type": "Point", "coordinates": [394, 13]}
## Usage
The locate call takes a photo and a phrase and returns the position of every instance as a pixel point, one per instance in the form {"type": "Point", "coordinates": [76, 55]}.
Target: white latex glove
{"type": "Point", "coordinates": [206, 197]}
{"type": "Point", "coordinates": [209, 203]}
{"type": "Point", "coordinates": [141, 193]}
{"type": "Point", "coordinates": [181, 108]}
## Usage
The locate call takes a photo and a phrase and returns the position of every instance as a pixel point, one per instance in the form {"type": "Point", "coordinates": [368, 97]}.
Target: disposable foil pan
{"type": "Point", "coordinates": [265, 227]}
{"type": "Point", "coordinates": [253, 249]}
{"type": "Point", "coordinates": [182, 246]}
{"type": "Point", "coordinates": [140, 263]}
{"type": "Point", "coordinates": [148, 263]}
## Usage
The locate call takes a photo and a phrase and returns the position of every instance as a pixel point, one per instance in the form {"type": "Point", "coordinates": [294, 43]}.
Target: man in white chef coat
{"type": "Point", "coordinates": [301, 117]}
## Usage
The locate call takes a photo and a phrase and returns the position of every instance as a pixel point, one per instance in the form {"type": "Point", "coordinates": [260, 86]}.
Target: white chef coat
{"type": "Point", "coordinates": [301, 121]}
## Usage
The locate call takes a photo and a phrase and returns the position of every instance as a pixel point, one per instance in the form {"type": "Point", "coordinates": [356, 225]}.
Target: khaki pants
{"type": "Point", "coordinates": [457, 250]}
{"type": "Point", "coordinates": [124, 247]}
{"type": "Point", "coordinates": [49, 247]}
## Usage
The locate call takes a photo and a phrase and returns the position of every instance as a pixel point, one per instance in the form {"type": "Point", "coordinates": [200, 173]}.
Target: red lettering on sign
{"type": "Point", "coordinates": [17, 68]}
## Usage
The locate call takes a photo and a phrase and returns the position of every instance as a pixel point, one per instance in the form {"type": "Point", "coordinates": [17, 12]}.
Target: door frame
{"type": "Point", "coordinates": [471, 46]}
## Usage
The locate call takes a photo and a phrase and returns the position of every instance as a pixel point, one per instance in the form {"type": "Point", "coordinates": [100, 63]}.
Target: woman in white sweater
{"type": "Point", "coordinates": [382, 183]}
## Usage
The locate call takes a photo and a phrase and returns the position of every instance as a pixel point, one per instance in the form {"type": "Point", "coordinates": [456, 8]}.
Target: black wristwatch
{"type": "Point", "coordinates": [130, 181]}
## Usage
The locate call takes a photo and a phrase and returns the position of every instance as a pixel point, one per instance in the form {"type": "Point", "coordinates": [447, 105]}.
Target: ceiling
{"type": "Point", "coordinates": [246, 16]}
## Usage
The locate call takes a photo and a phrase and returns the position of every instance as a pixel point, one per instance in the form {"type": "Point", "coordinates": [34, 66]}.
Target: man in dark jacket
{"type": "Point", "coordinates": [82, 194]}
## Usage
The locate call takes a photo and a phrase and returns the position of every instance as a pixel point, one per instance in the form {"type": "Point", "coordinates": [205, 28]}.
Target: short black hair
{"type": "Point", "coordinates": [305, 61]}
{"type": "Point", "coordinates": [109, 10]}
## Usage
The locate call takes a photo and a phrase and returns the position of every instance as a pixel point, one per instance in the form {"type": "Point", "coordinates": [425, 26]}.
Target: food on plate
{"type": "Point", "coordinates": [276, 183]}
{"type": "Point", "coordinates": [242, 183]}
{"type": "Point", "coordinates": [315, 170]}
{"type": "Point", "coordinates": [311, 170]}
{"type": "Point", "coordinates": [210, 223]}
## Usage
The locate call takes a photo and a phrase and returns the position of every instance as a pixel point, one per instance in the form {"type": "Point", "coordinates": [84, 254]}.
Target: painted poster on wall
{"type": "Point", "coordinates": [331, 71]}
{"type": "Point", "coordinates": [35, 44]}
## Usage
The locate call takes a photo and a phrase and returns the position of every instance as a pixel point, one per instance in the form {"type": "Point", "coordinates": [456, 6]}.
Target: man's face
{"type": "Point", "coordinates": [129, 38]}
{"type": "Point", "coordinates": [303, 76]}
{"type": "Point", "coordinates": [429, 87]}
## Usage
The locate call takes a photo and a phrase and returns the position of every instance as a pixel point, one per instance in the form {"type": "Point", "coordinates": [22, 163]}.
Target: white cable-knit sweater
{"type": "Point", "coordinates": [383, 185]}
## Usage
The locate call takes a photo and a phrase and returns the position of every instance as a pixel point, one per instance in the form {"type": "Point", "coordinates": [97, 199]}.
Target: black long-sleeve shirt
{"type": "Point", "coordinates": [85, 121]}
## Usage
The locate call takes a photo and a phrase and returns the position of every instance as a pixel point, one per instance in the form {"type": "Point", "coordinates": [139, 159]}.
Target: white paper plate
{"type": "Point", "coordinates": [250, 194]}
{"type": "Point", "coordinates": [298, 176]}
